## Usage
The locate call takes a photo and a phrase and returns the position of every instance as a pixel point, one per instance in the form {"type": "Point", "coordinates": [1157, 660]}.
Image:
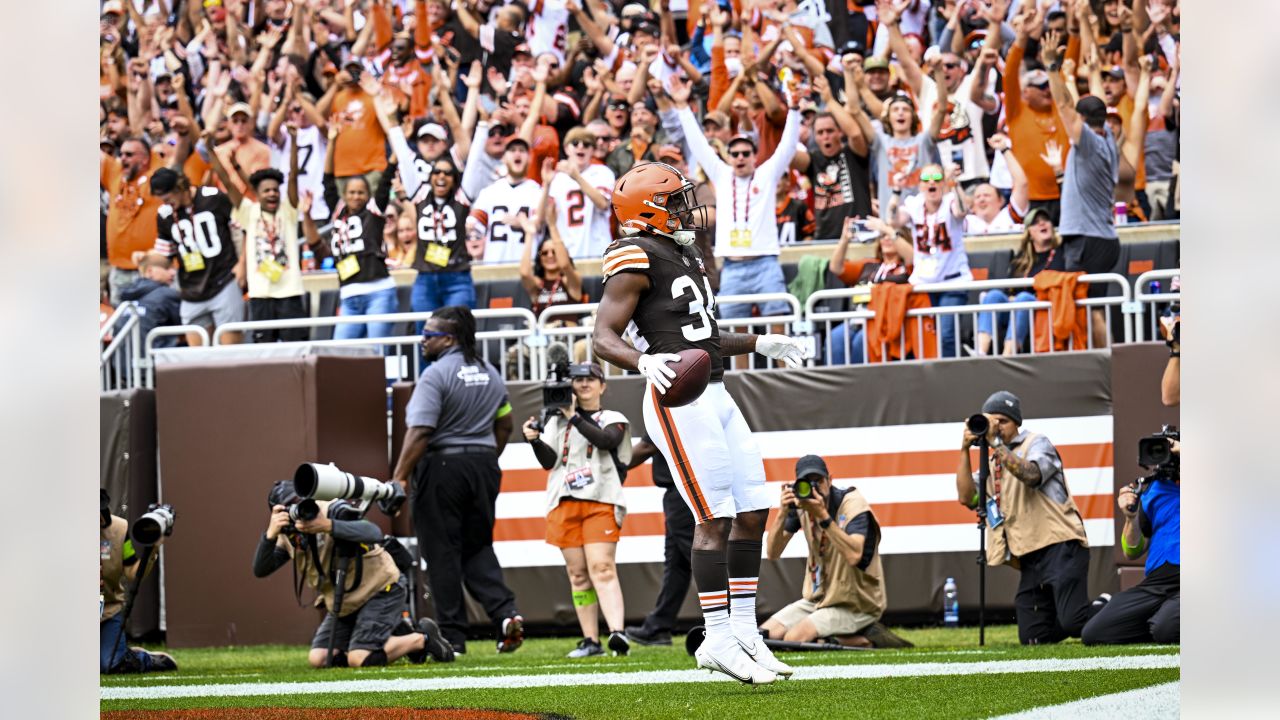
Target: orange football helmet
{"type": "Point", "coordinates": [655, 197]}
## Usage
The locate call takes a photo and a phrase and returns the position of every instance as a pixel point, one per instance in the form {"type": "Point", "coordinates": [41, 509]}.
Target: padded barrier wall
{"type": "Point", "coordinates": [127, 443]}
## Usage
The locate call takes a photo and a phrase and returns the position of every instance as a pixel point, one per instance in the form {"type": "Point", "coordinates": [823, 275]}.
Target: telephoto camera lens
{"type": "Point", "coordinates": [802, 489]}
{"type": "Point", "coordinates": [156, 523]}
{"type": "Point", "coordinates": [978, 424]}
{"type": "Point", "coordinates": [327, 482]}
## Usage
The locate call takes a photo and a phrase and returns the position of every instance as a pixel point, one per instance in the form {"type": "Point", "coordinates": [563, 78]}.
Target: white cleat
{"type": "Point", "coordinates": [734, 662]}
{"type": "Point", "coordinates": [760, 653]}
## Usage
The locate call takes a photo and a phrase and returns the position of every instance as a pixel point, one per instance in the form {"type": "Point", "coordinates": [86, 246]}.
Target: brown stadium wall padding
{"type": "Point", "coordinates": [127, 443]}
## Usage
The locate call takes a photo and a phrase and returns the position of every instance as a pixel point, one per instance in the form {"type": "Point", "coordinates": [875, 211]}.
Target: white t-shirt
{"type": "Point", "coordinates": [962, 142]}
{"type": "Point", "coordinates": [1006, 221]}
{"type": "Point", "coordinates": [259, 230]}
{"type": "Point", "coordinates": [311, 149]}
{"type": "Point", "coordinates": [939, 242]}
{"type": "Point", "coordinates": [548, 27]}
{"type": "Point", "coordinates": [584, 230]}
{"type": "Point", "coordinates": [746, 208]}
{"type": "Point", "coordinates": [504, 242]}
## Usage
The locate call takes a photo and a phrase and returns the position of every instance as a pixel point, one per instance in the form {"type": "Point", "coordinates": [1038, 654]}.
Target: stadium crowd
{"type": "Point", "coordinates": [434, 134]}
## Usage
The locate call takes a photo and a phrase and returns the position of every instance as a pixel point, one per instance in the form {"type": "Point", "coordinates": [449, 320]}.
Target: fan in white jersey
{"type": "Point", "coordinates": [299, 109]}
{"type": "Point", "coordinates": [989, 212]}
{"type": "Point", "coordinates": [936, 216]}
{"type": "Point", "coordinates": [579, 197]}
{"type": "Point", "coordinates": [548, 27]}
{"type": "Point", "coordinates": [493, 216]}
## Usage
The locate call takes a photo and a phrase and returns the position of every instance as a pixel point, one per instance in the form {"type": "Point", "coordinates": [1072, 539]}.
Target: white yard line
{"type": "Point", "coordinates": [1149, 703]}
{"type": "Point", "coordinates": [652, 677]}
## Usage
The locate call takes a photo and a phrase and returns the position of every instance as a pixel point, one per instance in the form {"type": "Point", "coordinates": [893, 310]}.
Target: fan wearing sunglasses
{"type": "Point", "coordinates": [936, 217]}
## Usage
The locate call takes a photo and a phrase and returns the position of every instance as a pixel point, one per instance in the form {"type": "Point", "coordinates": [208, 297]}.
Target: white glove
{"type": "Point", "coordinates": [781, 347]}
{"type": "Point", "coordinates": [654, 367]}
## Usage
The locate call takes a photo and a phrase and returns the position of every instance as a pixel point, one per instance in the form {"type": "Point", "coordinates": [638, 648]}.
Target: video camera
{"type": "Point", "coordinates": [155, 523]}
{"type": "Point", "coordinates": [314, 481]}
{"type": "Point", "coordinates": [1155, 452]}
{"type": "Point", "coordinates": [557, 389]}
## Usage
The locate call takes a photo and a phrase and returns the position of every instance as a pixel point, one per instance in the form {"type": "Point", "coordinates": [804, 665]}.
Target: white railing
{"type": "Point", "coordinates": [120, 362]}
{"type": "Point", "coordinates": [1148, 303]}
{"type": "Point", "coordinates": [857, 319]}
{"type": "Point", "coordinates": [784, 323]}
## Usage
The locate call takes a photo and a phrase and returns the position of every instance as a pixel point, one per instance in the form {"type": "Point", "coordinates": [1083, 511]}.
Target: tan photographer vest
{"type": "Point", "coordinates": [111, 568]}
{"type": "Point", "coordinates": [379, 572]}
{"type": "Point", "coordinates": [1032, 520]}
{"type": "Point", "coordinates": [840, 582]}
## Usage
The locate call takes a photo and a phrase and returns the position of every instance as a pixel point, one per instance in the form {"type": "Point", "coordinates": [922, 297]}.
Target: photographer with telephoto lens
{"type": "Point", "coordinates": [1032, 523]}
{"type": "Point", "coordinates": [1152, 507]}
{"type": "Point", "coordinates": [318, 536]}
{"type": "Point", "coordinates": [587, 449]}
{"type": "Point", "coordinates": [118, 564]}
{"type": "Point", "coordinates": [843, 592]}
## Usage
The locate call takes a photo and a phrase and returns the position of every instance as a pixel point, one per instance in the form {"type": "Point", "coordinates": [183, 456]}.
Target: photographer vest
{"type": "Point", "coordinates": [1032, 519]}
{"type": "Point", "coordinates": [830, 579]}
{"type": "Point", "coordinates": [111, 564]}
{"type": "Point", "coordinates": [378, 572]}
{"type": "Point", "coordinates": [583, 471]}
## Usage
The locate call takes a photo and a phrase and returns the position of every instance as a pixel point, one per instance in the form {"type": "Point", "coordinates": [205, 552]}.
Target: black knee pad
{"type": "Point", "coordinates": [375, 659]}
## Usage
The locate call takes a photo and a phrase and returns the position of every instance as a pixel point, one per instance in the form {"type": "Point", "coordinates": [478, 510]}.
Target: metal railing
{"type": "Point", "coordinates": [855, 320]}
{"type": "Point", "coordinates": [518, 346]}
{"type": "Point", "coordinates": [120, 362]}
{"type": "Point", "coordinates": [1148, 304]}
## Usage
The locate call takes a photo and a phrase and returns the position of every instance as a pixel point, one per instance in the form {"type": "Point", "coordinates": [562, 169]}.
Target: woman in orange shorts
{"type": "Point", "coordinates": [587, 450]}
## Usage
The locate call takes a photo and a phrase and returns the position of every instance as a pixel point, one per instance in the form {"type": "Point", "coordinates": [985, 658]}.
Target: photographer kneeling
{"type": "Point", "coordinates": [117, 567]}
{"type": "Point", "coordinates": [1151, 610]}
{"type": "Point", "coordinates": [376, 591]}
{"type": "Point", "coordinates": [843, 596]}
{"type": "Point", "coordinates": [587, 450]}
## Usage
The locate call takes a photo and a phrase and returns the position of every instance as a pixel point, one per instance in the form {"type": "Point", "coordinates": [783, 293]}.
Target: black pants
{"type": "Point", "coordinates": [1091, 255]}
{"type": "Point", "coordinates": [289, 308]}
{"type": "Point", "coordinates": [453, 514]}
{"type": "Point", "coordinates": [676, 570]}
{"type": "Point", "coordinates": [1053, 603]}
{"type": "Point", "coordinates": [1149, 611]}
{"type": "Point", "coordinates": [1053, 207]}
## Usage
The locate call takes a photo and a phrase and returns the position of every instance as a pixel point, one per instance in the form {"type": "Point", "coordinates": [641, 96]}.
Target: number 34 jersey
{"type": "Point", "coordinates": [199, 235]}
{"type": "Point", "coordinates": [677, 312]}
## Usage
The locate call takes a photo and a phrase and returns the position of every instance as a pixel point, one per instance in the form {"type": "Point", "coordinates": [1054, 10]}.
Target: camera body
{"type": "Point", "coordinates": [1155, 452]}
{"type": "Point", "coordinates": [557, 391]}
{"type": "Point", "coordinates": [155, 523]}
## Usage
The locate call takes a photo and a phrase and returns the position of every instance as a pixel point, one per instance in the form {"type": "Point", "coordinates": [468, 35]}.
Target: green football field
{"type": "Point", "coordinates": [947, 675]}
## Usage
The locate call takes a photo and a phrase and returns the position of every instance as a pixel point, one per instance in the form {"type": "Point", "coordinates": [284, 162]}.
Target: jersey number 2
{"type": "Point", "coordinates": [700, 307]}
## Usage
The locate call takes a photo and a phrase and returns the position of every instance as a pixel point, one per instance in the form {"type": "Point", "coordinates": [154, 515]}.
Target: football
{"type": "Point", "coordinates": [693, 372]}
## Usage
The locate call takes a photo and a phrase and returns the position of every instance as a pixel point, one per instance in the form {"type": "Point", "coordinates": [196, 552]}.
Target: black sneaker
{"type": "Point", "coordinates": [459, 648]}
{"type": "Point", "coordinates": [512, 636]}
{"type": "Point", "coordinates": [586, 648]}
{"type": "Point", "coordinates": [161, 662]}
{"type": "Point", "coordinates": [618, 643]}
{"type": "Point", "coordinates": [434, 642]}
{"type": "Point", "coordinates": [640, 636]}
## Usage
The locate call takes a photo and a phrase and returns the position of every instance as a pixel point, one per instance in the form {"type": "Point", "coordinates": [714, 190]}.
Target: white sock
{"type": "Point", "coordinates": [715, 615]}
{"type": "Point", "coordinates": [742, 604]}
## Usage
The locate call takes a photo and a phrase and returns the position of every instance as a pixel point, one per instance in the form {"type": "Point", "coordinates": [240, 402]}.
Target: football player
{"type": "Point", "coordinates": [657, 282]}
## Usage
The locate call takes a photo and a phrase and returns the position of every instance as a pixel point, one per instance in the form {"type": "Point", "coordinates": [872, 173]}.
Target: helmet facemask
{"type": "Point", "coordinates": [684, 215]}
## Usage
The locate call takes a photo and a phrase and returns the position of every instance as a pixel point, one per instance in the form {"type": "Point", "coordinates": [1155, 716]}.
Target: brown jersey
{"type": "Point", "coordinates": [677, 312]}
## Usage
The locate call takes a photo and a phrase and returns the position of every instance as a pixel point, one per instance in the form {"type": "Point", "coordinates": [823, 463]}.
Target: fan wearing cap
{"type": "Point", "coordinates": [1033, 524]}
{"type": "Point", "coordinates": [1039, 249]}
{"type": "Point", "coordinates": [746, 189]}
{"type": "Point", "coordinates": [494, 215]}
{"type": "Point", "coordinates": [1089, 240]}
{"type": "Point", "coordinates": [131, 210]}
{"type": "Point", "coordinates": [194, 225]}
{"type": "Point", "coordinates": [360, 148]}
{"type": "Point", "coordinates": [587, 449]}
{"type": "Point", "coordinates": [1131, 137]}
{"type": "Point", "coordinates": [579, 197]}
{"type": "Point", "coordinates": [1035, 127]}
{"type": "Point", "coordinates": [244, 154]}
{"type": "Point", "coordinates": [298, 109]}
{"type": "Point", "coordinates": [404, 75]}
{"type": "Point", "coordinates": [843, 592]}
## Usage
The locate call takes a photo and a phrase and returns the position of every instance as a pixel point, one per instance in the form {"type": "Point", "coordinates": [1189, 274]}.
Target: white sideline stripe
{"type": "Point", "coordinates": [939, 487]}
{"type": "Point", "coordinates": [652, 677]}
{"type": "Point", "coordinates": [1090, 429]}
{"type": "Point", "coordinates": [1157, 701]}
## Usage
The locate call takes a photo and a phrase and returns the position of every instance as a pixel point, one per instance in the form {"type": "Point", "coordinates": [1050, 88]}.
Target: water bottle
{"type": "Point", "coordinates": [1153, 287]}
{"type": "Point", "coordinates": [1122, 214]}
{"type": "Point", "coordinates": [950, 604]}
{"type": "Point", "coordinates": [308, 260]}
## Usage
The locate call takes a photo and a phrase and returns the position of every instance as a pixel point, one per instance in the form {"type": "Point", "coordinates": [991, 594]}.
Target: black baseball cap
{"type": "Point", "coordinates": [515, 140]}
{"type": "Point", "coordinates": [811, 465]}
{"type": "Point", "coordinates": [855, 47]}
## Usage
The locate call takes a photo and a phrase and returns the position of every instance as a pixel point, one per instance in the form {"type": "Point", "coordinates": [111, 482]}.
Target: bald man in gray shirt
{"type": "Point", "coordinates": [458, 423]}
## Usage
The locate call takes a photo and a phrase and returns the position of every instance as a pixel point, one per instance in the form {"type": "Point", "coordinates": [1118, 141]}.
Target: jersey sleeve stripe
{"type": "Point", "coordinates": [611, 268]}
{"type": "Point", "coordinates": [626, 251]}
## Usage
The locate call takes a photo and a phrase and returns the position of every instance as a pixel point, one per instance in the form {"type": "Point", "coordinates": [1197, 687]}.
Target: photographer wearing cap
{"type": "Point", "coordinates": [587, 450]}
{"type": "Point", "coordinates": [1152, 508]}
{"type": "Point", "coordinates": [843, 593]}
{"type": "Point", "coordinates": [375, 591]}
{"type": "Point", "coordinates": [117, 567]}
{"type": "Point", "coordinates": [1033, 525]}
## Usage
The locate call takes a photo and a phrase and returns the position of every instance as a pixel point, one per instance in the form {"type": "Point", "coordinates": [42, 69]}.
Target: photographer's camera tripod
{"type": "Point", "coordinates": [131, 593]}
{"type": "Point", "coordinates": [979, 425]}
